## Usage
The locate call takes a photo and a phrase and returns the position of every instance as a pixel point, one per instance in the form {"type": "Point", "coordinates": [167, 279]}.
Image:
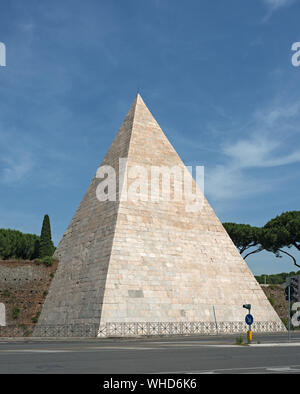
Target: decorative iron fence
{"type": "Point", "coordinates": [21, 330]}
{"type": "Point", "coordinates": [182, 328]}
{"type": "Point", "coordinates": [136, 329]}
{"type": "Point", "coordinates": [30, 330]}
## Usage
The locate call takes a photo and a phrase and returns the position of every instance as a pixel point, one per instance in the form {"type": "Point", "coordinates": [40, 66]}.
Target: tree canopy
{"type": "Point", "coordinates": [16, 245]}
{"type": "Point", "coordinates": [280, 232]}
{"type": "Point", "coordinates": [244, 237]}
{"type": "Point", "coordinates": [277, 234]}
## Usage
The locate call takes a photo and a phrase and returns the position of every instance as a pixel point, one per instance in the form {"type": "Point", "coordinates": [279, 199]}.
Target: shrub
{"type": "Point", "coordinates": [271, 300]}
{"type": "Point", "coordinates": [285, 321]}
{"type": "Point", "coordinates": [38, 261]}
{"type": "Point", "coordinates": [16, 312]}
{"type": "Point", "coordinates": [6, 293]}
{"type": "Point", "coordinates": [36, 317]}
{"type": "Point", "coordinates": [239, 340]}
{"type": "Point", "coordinates": [47, 260]}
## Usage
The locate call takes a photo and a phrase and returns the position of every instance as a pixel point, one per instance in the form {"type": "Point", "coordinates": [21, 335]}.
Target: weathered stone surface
{"type": "Point", "coordinates": [148, 261]}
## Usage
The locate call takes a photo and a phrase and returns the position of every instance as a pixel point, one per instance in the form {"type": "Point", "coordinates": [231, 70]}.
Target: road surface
{"type": "Point", "coordinates": [184, 355]}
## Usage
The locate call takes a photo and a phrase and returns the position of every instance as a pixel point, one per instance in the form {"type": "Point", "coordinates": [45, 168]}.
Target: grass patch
{"type": "Point", "coordinates": [47, 261]}
{"type": "Point", "coordinates": [16, 312]}
{"type": "Point", "coordinates": [6, 293]}
{"type": "Point", "coordinates": [36, 317]}
{"type": "Point", "coordinates": [271, 300]}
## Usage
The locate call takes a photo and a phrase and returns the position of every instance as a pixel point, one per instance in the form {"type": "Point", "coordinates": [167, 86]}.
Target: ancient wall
{"type": "Point", "coordinates": [23, 289]}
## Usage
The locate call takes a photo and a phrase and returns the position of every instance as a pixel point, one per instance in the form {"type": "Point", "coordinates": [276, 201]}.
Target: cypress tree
{"type": "Point", "coordinates": [46, 244]}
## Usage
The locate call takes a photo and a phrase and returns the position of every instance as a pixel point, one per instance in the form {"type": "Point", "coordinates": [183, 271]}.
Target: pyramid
{"type": "Point", "coordinates": [136, 264]}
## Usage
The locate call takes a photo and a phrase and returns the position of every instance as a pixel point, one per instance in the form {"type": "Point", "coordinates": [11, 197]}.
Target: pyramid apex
{"type": "Point", "coordinates": [139, 98]}
{"type": "Point", "coordinates": [139, 105]}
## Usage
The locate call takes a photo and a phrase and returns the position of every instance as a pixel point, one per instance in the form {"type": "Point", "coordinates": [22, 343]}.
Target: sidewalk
{"type": "Point", "coordinates": [262, 338]}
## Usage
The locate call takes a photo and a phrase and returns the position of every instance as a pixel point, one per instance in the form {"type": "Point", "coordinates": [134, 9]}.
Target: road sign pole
{"type": "Point", "coordinates": [250, 331]}
{"type": "Point", "coordinates": [249, 321]}
{"type": "Point", "coordinates": [289, 313]}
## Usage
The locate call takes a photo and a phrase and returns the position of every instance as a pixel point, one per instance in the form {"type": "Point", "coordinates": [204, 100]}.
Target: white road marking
{"type": "Point", "coordinates": [165, 346]}
{"type": "Point", "coordinates": [276, 344]}
{"type": "Point", "coordinates": [35, 351]}
{"type": "Point", "coordinates": [89, 349]}
{"type": "Point", "coordinates": [287, 368]}
{"type": "Point", "coordinates": [283, 369]}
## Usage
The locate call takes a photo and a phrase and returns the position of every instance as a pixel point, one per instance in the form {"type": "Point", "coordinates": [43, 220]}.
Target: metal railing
{"type": "Point", "coordinates": [137, 329]}
{"type": "Point", "coordinates": [182, 328]}
{"type": "Point", "coordinates": [64, 330]}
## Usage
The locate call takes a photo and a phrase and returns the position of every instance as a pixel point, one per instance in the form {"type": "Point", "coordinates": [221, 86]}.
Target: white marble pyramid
{"type": "Point", "coordinates": [147, 267]}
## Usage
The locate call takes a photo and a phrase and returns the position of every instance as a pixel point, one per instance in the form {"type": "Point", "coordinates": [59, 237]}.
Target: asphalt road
{"type": "Point", "coordinates": [184, 355]}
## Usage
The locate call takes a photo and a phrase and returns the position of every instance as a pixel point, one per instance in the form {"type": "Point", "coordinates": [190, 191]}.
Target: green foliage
{"type": "Point", "coordinates": [36, 317]}
{"type": "Point", "coordinates": [286, 229]}
{"type": "Point", "coordinates": [46, 245]}
{"type": "Point", "coordinates": [285, 321]}
{"type": "Point", "coordinates": [6, 293]}
{"type": "Point", "coordinates": [280, 232]}
{"type": "Point", "coordinates": [16, 245]}
{"type": "Point", "coordinates": [47, 261]}
{"type": "Point", "coordinates": [275, 279]}
{"type": "Point", "coordinates": [244, 236]}
{"type": "Point", "coordinates": [239, 340]}
{"type": "Point", "coordinates": [16, 312]}
{"type": "Point", "coordinates": [271, 300]}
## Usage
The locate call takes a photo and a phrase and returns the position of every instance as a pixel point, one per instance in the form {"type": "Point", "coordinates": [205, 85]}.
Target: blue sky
{"type": "Point", "coordinates": [216, 75]}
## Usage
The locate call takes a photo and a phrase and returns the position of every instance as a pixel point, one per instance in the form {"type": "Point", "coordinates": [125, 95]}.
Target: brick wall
{"type": "Point", "coordinates": [23, 286]}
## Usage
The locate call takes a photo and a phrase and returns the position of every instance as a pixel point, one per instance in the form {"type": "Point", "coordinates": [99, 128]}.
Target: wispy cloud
{"type": "Point", "coordinates": [28, 160]}
{"type": "Point", "coordinates": [274, 5]}
{"type": "Point", "coordinates": [16, 167]}
{"type": "Point", "coordinates": [265, 145]}
{"type": "Point", "coordinates": [258, 152]}
{"type": "Point", "coordinates": [16, 161]}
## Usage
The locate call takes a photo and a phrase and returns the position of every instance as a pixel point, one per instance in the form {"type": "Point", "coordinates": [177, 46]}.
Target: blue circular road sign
{"type": "Point", "coordinates": [249, 319]}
